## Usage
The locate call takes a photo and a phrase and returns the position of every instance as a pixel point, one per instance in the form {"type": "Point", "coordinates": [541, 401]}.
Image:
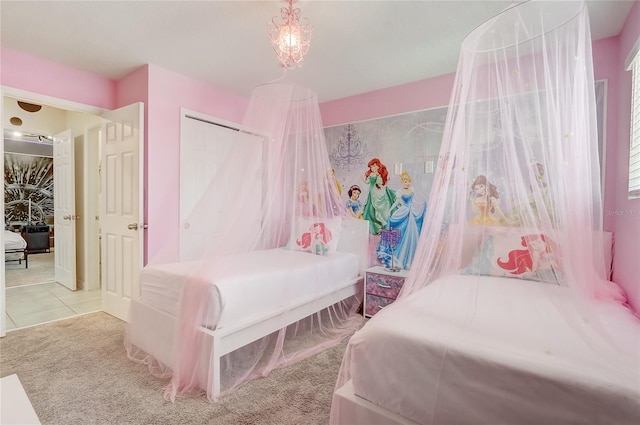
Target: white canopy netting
{"type": "Point", "coordinates": [519, 192]}
{"type": "Point", "coordinates": [276, 191]}
{"type": "Point", "coordinates": [516, 203]}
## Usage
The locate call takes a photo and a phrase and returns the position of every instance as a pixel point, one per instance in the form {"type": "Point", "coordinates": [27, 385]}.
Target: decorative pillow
{"type": "Point", "coordinates": [517, 252]}
{"type": "Point", "coordinates": [316, 235]}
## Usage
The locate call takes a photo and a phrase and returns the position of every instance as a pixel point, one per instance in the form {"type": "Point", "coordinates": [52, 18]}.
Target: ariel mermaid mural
{"type": "Point", "coordinates": [380, 198]}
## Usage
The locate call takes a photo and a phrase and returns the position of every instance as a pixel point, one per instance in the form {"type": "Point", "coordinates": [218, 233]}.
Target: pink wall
{"type": "Point", "coordinates": [30, 73]}
{"type": "Point", "coordinates": [163, 94]}
{"type": "Point", "coordinates": [605, 54]}
{"type": "Point", "coordinates": [626, 267]}
{"type": "Point", "coordinates": [416, 96]}
{"type": "Point", "coordinates": [168, 92]}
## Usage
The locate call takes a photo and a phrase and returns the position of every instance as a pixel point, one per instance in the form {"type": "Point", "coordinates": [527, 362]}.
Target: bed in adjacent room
{"type": "Point", "coordinates": [15, 248]}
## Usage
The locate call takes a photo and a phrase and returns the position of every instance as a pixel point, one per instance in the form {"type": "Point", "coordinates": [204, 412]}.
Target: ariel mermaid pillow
{"type": "Point", "coordinates": [516, 252]}
{"type": "Point", "coordinates": [318, 236]}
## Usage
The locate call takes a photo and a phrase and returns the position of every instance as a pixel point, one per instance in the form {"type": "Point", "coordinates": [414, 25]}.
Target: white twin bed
{"type": "Point", "coordinates": [477, 349]}
{"type": "Point", "coordinates": [15, 248]}
{"type": "Point", "coordinates": [252, 297]}
{"type": "Point", "coordinates": [490, 350]}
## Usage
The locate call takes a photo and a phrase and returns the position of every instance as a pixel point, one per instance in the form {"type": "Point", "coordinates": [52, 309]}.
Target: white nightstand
{"type": "Point", "coordinates": [381, 288]}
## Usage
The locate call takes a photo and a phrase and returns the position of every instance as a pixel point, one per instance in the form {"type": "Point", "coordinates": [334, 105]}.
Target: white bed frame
{"type": "Point", "coordinates": [356, 410]}
{"type": "Point", "coordinates": [152, 330]}
{"type": "Point", "coordinates": [23, 254]}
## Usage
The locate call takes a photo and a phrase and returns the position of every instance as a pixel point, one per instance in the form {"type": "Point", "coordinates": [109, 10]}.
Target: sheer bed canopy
{"type": "Point", "coordinates": [274, 280]}
{"type": "Point", "coordinates": [519, 175]}
{"type": "Point", "coordinates": [507, 314]}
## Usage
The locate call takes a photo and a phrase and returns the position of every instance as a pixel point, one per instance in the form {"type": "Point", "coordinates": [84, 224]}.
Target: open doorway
{"type": "Point", "coordinates": [33, 295]}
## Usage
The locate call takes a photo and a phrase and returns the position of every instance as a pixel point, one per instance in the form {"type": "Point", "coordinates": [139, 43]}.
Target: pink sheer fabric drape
{"type": "Point", "coordinates": [265, 191]}
{"type": "Point", "coordinates": [517, 191]}
{"type": "Point", "coordinates": [520, 151]}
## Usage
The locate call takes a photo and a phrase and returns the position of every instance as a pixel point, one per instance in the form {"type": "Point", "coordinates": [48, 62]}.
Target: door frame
{"type": "Point", "coordinates": [29, 96]}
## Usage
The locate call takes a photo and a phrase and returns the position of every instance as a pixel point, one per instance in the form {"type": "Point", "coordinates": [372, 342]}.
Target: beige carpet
{"type": "Point", "coordinates": [76, 371]}
{"type": "Point", "coordinates": [41, 270]}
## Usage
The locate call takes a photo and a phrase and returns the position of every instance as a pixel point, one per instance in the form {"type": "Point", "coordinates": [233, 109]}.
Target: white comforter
{"type": "Point", "coordinates": [485, 350]}
{"type": "Point", "coordinates": [252, 284]}
{"type": "Point", "coordinates": [13, 241]}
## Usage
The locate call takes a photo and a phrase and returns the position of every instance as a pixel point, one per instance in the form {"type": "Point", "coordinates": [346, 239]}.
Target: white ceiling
{"type": "Point", "coordinates": [357, 46]}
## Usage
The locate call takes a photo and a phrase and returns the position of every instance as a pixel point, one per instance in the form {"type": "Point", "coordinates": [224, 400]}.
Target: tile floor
{"type": "Point", "coordinates": [44, 302]}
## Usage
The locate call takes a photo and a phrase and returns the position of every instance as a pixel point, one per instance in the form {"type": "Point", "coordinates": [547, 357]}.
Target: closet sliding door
{"type": "Point", "coordinates": [204, 144]}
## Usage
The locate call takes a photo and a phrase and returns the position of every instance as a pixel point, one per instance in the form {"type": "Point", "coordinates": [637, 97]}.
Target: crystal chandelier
{"type": "Point", "coordinates": [290, 39]}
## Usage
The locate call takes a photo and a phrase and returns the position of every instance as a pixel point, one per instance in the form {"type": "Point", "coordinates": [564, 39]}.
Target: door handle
{"type": "Point", "coordinates": [133, 226]}
{"type": "Point", "coordinates": [66, 217]}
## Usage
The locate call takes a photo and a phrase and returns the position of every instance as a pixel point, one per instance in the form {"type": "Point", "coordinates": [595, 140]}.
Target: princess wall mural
{"type": "Point", "coordinates": [407, 217]}
{"type": "Point", "coordinates": [372, 159]}
{"type": "Point", "coordinates": [385, 168]}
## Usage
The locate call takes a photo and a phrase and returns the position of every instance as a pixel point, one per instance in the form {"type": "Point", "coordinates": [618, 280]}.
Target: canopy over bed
{"type": "Point", "coordinates": [516, 202]}
{"type": "Point", "coordinates": [273, 253]}
{"type": "Point", "coordinates": [519, 157]}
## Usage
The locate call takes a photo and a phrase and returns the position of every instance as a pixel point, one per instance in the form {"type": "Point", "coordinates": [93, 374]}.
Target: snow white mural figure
{"type": "Point", "coordinates": [408, 218]}
{"type": "Point", "coordinates": [380, 197]}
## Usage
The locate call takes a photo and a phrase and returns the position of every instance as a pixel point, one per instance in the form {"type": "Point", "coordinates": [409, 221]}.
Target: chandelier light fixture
{"type": "Point", "coordinates": [290, 38]}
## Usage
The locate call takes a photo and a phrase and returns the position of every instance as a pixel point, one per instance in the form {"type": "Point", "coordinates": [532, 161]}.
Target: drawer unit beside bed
{"type": "Point", "coordinates": [381, 288]}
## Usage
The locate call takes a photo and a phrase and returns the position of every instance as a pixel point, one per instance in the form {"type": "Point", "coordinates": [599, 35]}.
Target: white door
{"type": "Point", "coordinates": [64, 209]}
{"type": "Point", "coordinates": [121, 168]}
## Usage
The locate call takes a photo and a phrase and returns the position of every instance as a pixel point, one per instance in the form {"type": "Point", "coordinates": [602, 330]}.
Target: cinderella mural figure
{"type": "Point", "coordinates": [380, 197]}
{"type": "Point", "coordinates": [408, 218]}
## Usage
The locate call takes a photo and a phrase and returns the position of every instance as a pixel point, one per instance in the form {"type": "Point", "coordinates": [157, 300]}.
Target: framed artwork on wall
{"type": "Point", "coordinates": [28, 189]}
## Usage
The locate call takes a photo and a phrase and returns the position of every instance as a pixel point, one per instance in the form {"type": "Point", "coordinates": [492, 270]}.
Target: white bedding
{"type": "Point", "coordinates": [251, 285]}
{"type": "Point", "coordinates": [474, 350]}
{"type": "Point", "coordinates": [14, 246]}
{"type": "Point", "coordinates": [13, 241]}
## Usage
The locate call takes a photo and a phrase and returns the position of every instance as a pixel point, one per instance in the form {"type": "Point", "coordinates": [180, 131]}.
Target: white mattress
{"type": "Point", "coordinates": [487, 350]}
{"type": "Point", "coordinates": [13, 240]}
{"type": "Point", "coordinates": [253, 284]}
